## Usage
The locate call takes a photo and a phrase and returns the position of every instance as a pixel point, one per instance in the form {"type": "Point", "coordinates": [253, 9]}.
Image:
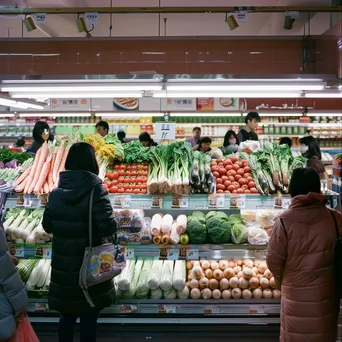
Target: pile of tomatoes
{"type": "Point", "coordinates": [127, 179]}
{"type": "Point", "coordinates": [233, 176]}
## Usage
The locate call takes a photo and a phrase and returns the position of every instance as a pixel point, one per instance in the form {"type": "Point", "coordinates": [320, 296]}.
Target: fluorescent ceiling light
{"type": "Point", "coordinates": [207, 94]}
{"type": "Point", "coordinates": [246, 87]}
{"type": "Point", "coordinates": [7, 101]}
{"type": "Point", "coordinates": [130, 114]}
{"type": "Point", "coordinates": [222, 114]}
{"type": "Point", "coordinates": [7, 115]}
{"type": "Point", "coordinates": [276, 114]}
{"type": "Point", "coordinates": [50, 114]}
{"type": "Point", "coordinates": [324, 95]}
{"type": "Point", "coordinates": [326, 115]}
{"type": "Point", "coordinates": [71, 95]}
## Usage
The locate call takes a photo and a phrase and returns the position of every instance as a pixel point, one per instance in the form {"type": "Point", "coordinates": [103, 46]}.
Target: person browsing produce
{"type": "Point", "coordinates": [204, 145]}
{"type": "Point", "coordinates": [248, 133]}
{"type": "Point", "coordinates": [230, 143]}
{"type": "Point", "coordinates": [121, 136]}
{"type": "Point", "coordinates": [286, 141]}
{"type": "Point", "coordinates": [66, 217]}
{"type": "Point", "coordinates": [309, 149]}
{"type": "Point", "coordinates": [102, 128]}
{"type": "Point", "coordinates": [146, 140]}
{"type": "Point", "coordinates": [300, 255]}
{"type": "Point", "coordinates": [41, 133]}
{"type": "Point", "coordinates": [196, 137]}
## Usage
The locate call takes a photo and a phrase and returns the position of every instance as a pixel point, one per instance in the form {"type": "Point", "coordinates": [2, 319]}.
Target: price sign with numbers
{"type": "Point", "coordinates": [242, 202]}
{"type": "Point", "coordinates": [146, 205]}
{"type": "Point", "coordinates": [47, 252]}
{"type": "Point", "coordinates": [126, 202]}
{"type": "Point", "coordinates": [172, 253]}
{"type": "Point", "coordinates": [211, 310]}
{"type": "Point", "coordinates": [201, 206]}
{"type": "Point", "coordinates": [192, 253]}
{"type": "Point", "coordinates": [27, 201]}
{"type": "Point", "coordinates": [35, 203]}
{"type": "Point", "coordinates": [39, 252]}
{"type": "Point", "coordinates": [20, 252]}
{"type": "Point", "coordinates": [130, 253]}
{"type": "Point", "coordinates": [157, 202]}
{"type": "Point", "coordinates": [20, 200]}
{"type": "Point", "coordinates": [184, 203]}
{"type": "Point", "coordinates": [91, 18]}
{"type": "Point", "coordinates": [165, 130]}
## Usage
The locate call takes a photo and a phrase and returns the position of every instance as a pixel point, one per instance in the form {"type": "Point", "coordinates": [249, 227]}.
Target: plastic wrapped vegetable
{"type": "Point", "coordinates": [167, 275]}
{"type": "Point", "coordinates": [257, 236]}
{"type": "Point", "coordinates": [130, 293]}
{"type": "Point", "coordinates": [142, 289]}
{"type": "Point", "coordinates": [155, 275]}
{"type": "Point", "coordinates": [157, 294]}
{"type": "Point", "coordinates": [127, 275]}
{"type": "Point", "coordinates": [179, 275]}
{"type": "Point", "coordinates": [239, 233]}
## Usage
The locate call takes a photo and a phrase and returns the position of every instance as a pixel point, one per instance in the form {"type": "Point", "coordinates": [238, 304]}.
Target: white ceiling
{"type": "Point", "coordinates": [153, 25]}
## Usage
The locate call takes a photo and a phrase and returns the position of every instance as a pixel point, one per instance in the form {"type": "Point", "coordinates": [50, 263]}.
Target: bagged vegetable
{"type": "Point", "coordinates": [257, 235]}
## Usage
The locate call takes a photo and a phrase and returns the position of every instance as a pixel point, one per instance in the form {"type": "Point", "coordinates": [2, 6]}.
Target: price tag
{"type": "Point", "coordinates": [219, 201]}
{"type": "Point", "coordinates": [128, 309]}
{"type": "Point", "coordinates": [184, 202]}
{"type": "Point", "coordinates": [40, 18]}
{"type": "Point", "coordinates": [146, 205]}
{"type": "Point", "coordinates": [39, 252]}
{"type": "Point", "coordinates": [35, 203]}
{"type": "Point", "coordinates": [117, 201]}
{"type": "Point", "coordinates": [91, 18]}
{"type": "Point", "coordinates": [166, 309]}
{"type": "Point", "coordinates": [265, 203]}
{"type": "Point", "coordinates": [20, 200]}
{"type": "Point", "coordinates": [172, 253]}
{"type": "Point", "coordinates": [157, 202]}
{"type": "Point", "coordinates": [242, 16]}
{"type": "Point", "coordinates": [256, 309]}
{"type": "Point", "coordinates": [192, 253]}
{"type": "Point", "coordinates": [210, 310]}
{"type": "Point", "coordinates": [201, 206]}
{"type": "Point", "coordinates": [242, 201]}
{"type": "Point", "coordinates": [20, 252]}
{"type": "Point", "coordinates": [180, 202]}
{"type": "Point", "coordinates": [176, 202]}
{"type": "Point", "coordinates": [47, 252]}
{"type": "Point", "coordinates": [27, 202]}
{"type": "Point", "coordinates": [165, 130]}
{"type": "Point", "coordinates": [130, 253]}
{"type": "Point", "coordinates": [126, 202]}
{"type": "Point", "coordinates": [39, 307]}
{"type": "Point", "coordinates": [286, 202]}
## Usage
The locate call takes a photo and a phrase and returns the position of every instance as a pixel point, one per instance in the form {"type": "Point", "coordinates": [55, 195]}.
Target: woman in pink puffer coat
{"type": "Point", "coordinates": [300, 254]}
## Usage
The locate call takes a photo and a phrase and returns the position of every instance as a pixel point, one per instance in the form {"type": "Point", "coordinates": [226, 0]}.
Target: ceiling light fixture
{"type": "Point", "coordinates": [168, 94]}
{"type": "Point", "coordinates": [123, 114]}
{"type": "Point", "coordinates": [326, 114]}
{"type": "Point", "coordinates": [71, 95]}
{"type": "Point", "coordinates": [9, 102]}
{"type": "Point", "coordinates": [54, 114]}
{"type": "Point", "coordinates": [275, 114]}
{"type": "Point", "coordinates": [7, 115]}
{"type": "Point", "coordinates": [325, 95]}
{"type": "Point", "coordinates": [196, 114]}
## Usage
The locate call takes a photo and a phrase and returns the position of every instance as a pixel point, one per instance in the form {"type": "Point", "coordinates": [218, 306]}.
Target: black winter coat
{"type": "Point", "coordinates": [66, 217]}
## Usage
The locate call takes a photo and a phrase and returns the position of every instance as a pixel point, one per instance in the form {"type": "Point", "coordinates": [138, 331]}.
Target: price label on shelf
{"type": "Point", "coordinates": [192, 253]}
{"type": "Point", "coordinates": [242, 202]}
{"type": "Point", "coordinates": [184, 202]}
{"type": "Point", "coordinates": [172, 253]}
{"type": "Point", "coordinates": [145, 205]}
{"type": "Point", "coordinates": [166, 309]}
{"type": "Point", "coordinates": [27, 201]}
{"type": "Point", "coordinates": [180, 202]}
{"type": "Point", "coordinates": [130, 253]}
{"type": "Point", "coordinates": [265, 203]}
{"type": "Point", "coordinates": [286, 202]}
{"type": "Point", "coordinates": [157, 202]}
{"type": "Point", "coordinates": [216, 201]}
{"type": "Point", "coordinates": [47, 252]}
{"type": "Point", "coordinates": [126, 201]}
{"type": "Point", "coordinates": [20, 252]}
{"type": "Point", "coordinates": [211, 310]}
{"type": "Point", "coordinates": [201, 206]}
{"type": "Point", "coordinates": [256, 309]}
{"type": "Point", "coordinates": [117, 201]}
{"type": "Point", "coordinates": [128, 308]}
{"type": "Point", "coordinates": [20, 200]}
{"type": "Point", "coordinates": [35, 203]}
{"type": "Point", "coordinates": [39, 252]}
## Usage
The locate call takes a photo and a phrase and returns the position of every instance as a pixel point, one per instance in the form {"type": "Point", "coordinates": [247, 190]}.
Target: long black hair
{"type": "Point", "coordinates": [38, 130]}
{"type": "Point", "coordinates": [313, 150]}
{"type": "Point", "coordinates": [82, 157]}
{"type": "Point", "coordinates": [146, 137]}
{"type": "Point", "coordinates": [227, 136]}
{"type": "Point", "coordinates": [304, 181]}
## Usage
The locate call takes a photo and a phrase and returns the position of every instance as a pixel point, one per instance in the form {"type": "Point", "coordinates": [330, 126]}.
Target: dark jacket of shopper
{"type": "Point", "coordinates": [13, 296]}
{"type": "Point", "coordinates": [244, 136]}
{"type": "Point", "coordinates": [66, 217]}
{"type": "Point", "coordinates": [300, 254]}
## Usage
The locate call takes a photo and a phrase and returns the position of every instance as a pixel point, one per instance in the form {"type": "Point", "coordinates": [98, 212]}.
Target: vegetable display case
{"type": "Point", "coordinates": [243, 303]}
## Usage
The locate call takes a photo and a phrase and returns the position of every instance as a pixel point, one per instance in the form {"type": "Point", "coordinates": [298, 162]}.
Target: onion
{"type": "Point", "coordinates": [273, 283]}
{"type": "Point", "coordinates": [240, 275]}
{"type": "Point", "coordinates": [196, 263]}
{"type": "Point", "coordinates": [239, 262]}
{"type": "Point", "coordinates": [262, 267]}
{"type": "Point", "coordinates": [187, 284]}
{"type": "Point", "coordinates": [268, 274]}
{"type": "Point", "coordinates": [214, 265]}
{"type": "Point", "coordinates": [197, 272]}
{"type": "Point", "coordinates": [205, 264]}
{"type": "Point", "coordinates": [195, 294]}
{"type": "Point", "coordinates": [255, 270]}
{"type": "Point", "coordinates": [264, 283]}
{"type": "Point", "coordinates": [208, 273]}
{"type": "Point", "coordinates": [194, 284]}
{"type": "Point", "coordinates": [218, 274]}
{"type": "Point", "coordinates": [232, 264]}
{"type": "Point", "coordinates": [257, 262]}
{"type": "Point", "coordinates": [247, 273]}
{"type": "Point", "coordinates": [236, 293]}
{"type": "Point", "coordinates": [226, 294]}
{"type": "Point", "coordinates": [257, 294]}
{"type": "Point", "coordinates": [267, 293]}
{"type": "Point", "coordinates": [246, 294]}
{"type": "Point", "coordinates": [228, 273]}
{"type": "Point", "coordinates": [224, 284]}
{"type": "Point", "coordinates": [254, 283]}
{"type": "Point", "coordinates": [189, 265]}
{"type": "Point", "coordinates": [190, 276]}
{"type": "Point", "coordinates": [243, 283]}
{"type": "Point", "coordinates": [276, 294]}
{"type": "Point", "coordinates": [203, 283]}
{"type": "Point", "coordinates": [213, 284]}
{"type": "Point", "coordinates": [223, 264]}
{"type": "Point", "coordinates": [206, 294]}
{"type": "Point", "coordinates": [248, 263]}
{"type": "Point", "coordinates": [234, 282]}
{"type": "Point", "coordinates": [237, 269]}
{"type": "Point", "coordinates": [216, 294]}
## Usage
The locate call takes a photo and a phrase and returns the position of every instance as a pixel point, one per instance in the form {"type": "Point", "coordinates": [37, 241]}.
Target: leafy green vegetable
{"type": "Point", "coordinates": [219, 214]}
{"type": "Point", "coordinates": [7, 155]}
{"type": "Point", "coordinates": [219, 230]}
{"type": "Point", "coordinates": [197, 231]}
{"type": "Point", "coordinates": [112, 139]}
{"type": "Point", "coordinates": [239, 233]}
{"type": "Point", "coordinates": [136, 152]}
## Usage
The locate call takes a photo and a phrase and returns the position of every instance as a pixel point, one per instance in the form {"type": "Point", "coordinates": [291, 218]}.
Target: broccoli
{"type": "Point", "coordinates": [219, 230]}
{"type": "Point", "coordinates": [197, 231]}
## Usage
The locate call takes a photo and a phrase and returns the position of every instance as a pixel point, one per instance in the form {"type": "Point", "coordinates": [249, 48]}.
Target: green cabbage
{"type": "Point", "coordinates": [219, 229]}
{"type": "Point", "coordinates": [239, 233]}
{"type": "Point", "coordinates": [197, 231]}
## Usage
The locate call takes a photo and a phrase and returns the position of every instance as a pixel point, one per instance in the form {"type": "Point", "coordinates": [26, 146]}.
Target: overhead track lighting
{"type": "Point", "coordinates": [22, 104]}
{"type": "Point", "coordinates": [71, 95]}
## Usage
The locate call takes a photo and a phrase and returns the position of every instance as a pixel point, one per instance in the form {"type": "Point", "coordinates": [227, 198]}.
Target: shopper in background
{"type": "Point", "coordinates": [248, 133]}
{"type": "Point", "coordinates": [196, 137]}
{"type": "Point", "coordinates": [300, 255]}
{"type": "Point", "coordinates": [286, 141]}
{"type": "Point", "coordinates": [204, 145]}
{"type": "Point", "coordinates": [66, 217]}
{"type": "Point", "coordinates": [146, 140]}
{"type": "Point", "coordinates": [121, 136]}
{"type": "Point", "coordinates": [309, 149]}
{"type": "Point", "coordinates": [102, 128]}
{"type": "Point", "coordinates": [13, 296]}
{"type": "Point", "coordinates": [41, 133]}
{"type": "Point", "coordinates": [230, 143]}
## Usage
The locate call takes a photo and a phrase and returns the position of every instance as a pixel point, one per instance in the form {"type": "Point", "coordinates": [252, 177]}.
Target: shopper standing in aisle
{"type": "Point", "coordinates": [309, 148]}
{"type": "Point", "coordinates": [204, 145]}
{"type": "Point", "coordinates": [196, 137]}
{"type": "Point", "coordinates": [300, 255]}
{"type": "Point", "coordinates": [66, 216]}
{"type": "Point", "coordinates": [230, 143]}
{"type": "Point", "coordinates": [41, 133]}
{"type": "Point", "coordinates": [13, 296]}
{"type": "Point", "coordinates": [146, 140]}
{"type": "Point", "coordinates": [286, 141]}
{"type": "Point", "coordinates": [121, 136]}
{"type": "Point", "coordinates": [102, 128]}
{"type": "Point", "coordinates": [248, 133]}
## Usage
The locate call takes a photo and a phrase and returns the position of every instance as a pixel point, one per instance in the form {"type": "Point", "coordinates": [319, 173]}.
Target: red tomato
{"type": "Point", "coordinates": [106, 186]}
{"type": "Point", "coordinates": [106, 183]}
{"type": "Point", "coordinates": [254, 190]}
{"type": "Point", "coordinates": [231, 178]}
{"type": "Point", "coordinates": [234, 159]}
{"type": "Point", "coordinates": [251, 184]}
{"type": "Point", "coordinates": [144, 191]}
{"type": "Point", "coordinates": [127, 180]}
{"type": "Point", "coordinates": [113, 189]}
{"type": "Point", "coordinates": [219, 191]}
{"type": "Point", "coordinates": [121, 179]}
{"type": "Point", "coordinates": [238, 163]}
{"type": "Point", "coordinates": [216, 174]}
{"type": "Point", "coordinates": [227, 183]}
{"type": "Point", "coordinates": [240, 172]}
{"type": "Point", "coordinates": [121, 172]}
{"type": "Point", "coordinates": [214, 168]}
{"type": "Point", "coordinates": [235, 167]}
{"type": "Point", "coordinates": [247, 169]}
{"type": "Point", "coordinates": [249, 179]}
{"type": "Point", "coordinates": [231, 188]}
{"type": "Point", "coordinates": [224, 178]}
{"type": "Point", "coordinates": [246, 175]}
{"type": "Point", "coordinates": [220, 165]}
{"type": "Point", "coordinates": [247, 191]}
{"type": "Point", "coordinates": [242, 181]}
{"type": "Point", "coordinates": [229, 167]}
{"type": "Point", "coordinates": [129, 191]}
{"type": "Point", "coordinates": [115, 182]}
{"type": "Point", "coordinates": [237, 177]}
{"type": "Point", "coordinates": [236, 185]}
{"type": "Point", "coordinates": [213, 164]}
{"type": "Point", "coordinates": [220, 187]}
{"type": "Point", "coordinates": [219, 181]}
{"type": "Point", "coordinates": [227, 162]}
{"type": "Point", "coordinates": [126, 186]}
{"type": "Point", "coordinates": [218, 161]}
{"type": "Point", "coordinates": [234, 192]}
{"type": "Point", "coordinates": [244, 161]}
{"type": "Point", "coordinates": [240, 191]}
{"type": "Point", "coordinates": [231, 173]}
{"type": "Point", "coordinates": [244, 187]}
{"type": "Point", "coordinates": [136, 191]}
{"type": "Point", "coordinates": [222, 171]}
{"type": "Point", "coordinates": [227, 191]}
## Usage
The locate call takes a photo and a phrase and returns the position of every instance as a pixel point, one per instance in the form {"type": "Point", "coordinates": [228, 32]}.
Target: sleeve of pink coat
{"type": "Point", "coordinates": [277, 251]}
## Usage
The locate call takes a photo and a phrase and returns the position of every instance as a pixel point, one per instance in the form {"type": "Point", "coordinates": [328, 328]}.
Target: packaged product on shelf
{"type": "Point", "coordinates": [257, 235]}
{"type": "Point", "coordinates": [202, 179]}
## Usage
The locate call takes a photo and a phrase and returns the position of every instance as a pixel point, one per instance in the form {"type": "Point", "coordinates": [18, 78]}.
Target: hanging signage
{"type": "Point", "coordinates": [40, 18]}
{"type": "Point", "coordinates": [165, 130]}
{"type": "Point", "coordinates": [91, 18]}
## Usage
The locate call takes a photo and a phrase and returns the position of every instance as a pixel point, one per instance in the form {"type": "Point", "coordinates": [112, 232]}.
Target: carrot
{"type": "Point", "coordinates": [22, 177]}
{"type": "Point", "coordinates": [28, 183]}
{"type": "Point", "coordinates": [41, 161]}
{"type": "Point", "coordinates": [42, 178]}
{"type": "Point", "coordinates": [21, 186]}
{"type": "Point", "coordinates": [62, 164]}
{"type": "Point", "coordinates": [35, 163]}
{"type": "Point", "coordinates": [50, 175]}
{"type": "Point", "coordinates": [46, 187]}
{"type": "Point", "coordinates": [59, 157]}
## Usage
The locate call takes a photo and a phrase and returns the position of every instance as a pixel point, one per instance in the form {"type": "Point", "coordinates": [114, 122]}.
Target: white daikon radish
{"type": "Point", "coordinates": [155, 275]}
{"type": "Point", "coordinates": [156, 293]}
{"type": "Point", "coordinates": [214, 265]}
{"type": "Point", "coordinates": [195, 294]}
{"type": "Point", "coordinates": [183, 294]}
{"type": "Point", "coordinates": [234, 282]}
{"type": "Point", "coordinates": [20, 232]}
{"type": "Point", "coordinates": [276, 294]}
{"type": "Point", "coordinates": [257, 294]}
{"type": "Point", "coordinates": [236, 293]}
{"type": "Point", "coordinates": [247, 273]}
{"type": "Point", "coordinates": [264, 283]}
{"type": "Point", "coordinates": [44, 273]}
{"type": "Point", "coordinates": [181, 224]}
{"type": "Point", "coordinates": [224, 284]}
{"type": "Point", "coordinates": [31, 239]}
{"type": "Point", "coordinates": [216, 294]}
{"type": "Point", "coordinates": [246, 294]}
{"type": "Point", "coordinates": [206, 294]}
{"type": "Point", "coordinates": [254, 283]}
{"type": "Point", "coordinates": [223, 264]}
{"type": "Point", "coordinates": [194, 284]}
{"type": "Point", "coordinates": [156, 224]}
{"type": "Point", "coordinates": [218, 274]}
{"type": "Point", "coordinates": [167, 275]}
{"type": "Point", "coordinates": [213, 284]}
{"type": "Point", "coordinates": [226, 294]}
{"type": "Point", "coordinates": [170, 294]}
{"type": "Point", "coordinates": [179, 275]}
{"type": "Point", "coordinates": [167, 224]}
{"type": "Point", "coordinates": [203, 283]}
{"type": "Point", "coordinates": [267, 293]}
{"type": "Point", "coordinates": [228, 273]}
{"type": "Point", "coordinates": [197, 272]}
{"type": "Point", "coordinates": [174, 236]}
{"type": "Point", "coordinates": [243, 283]}
{"type": "Point", "coordinates": [209, 273]}
{"type": "Point", "coordinates": [127, 275]}
{"type": "Point", "coordinates": [205, 264]}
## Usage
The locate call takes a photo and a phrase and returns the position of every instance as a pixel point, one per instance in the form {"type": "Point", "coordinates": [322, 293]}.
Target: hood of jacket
{"type": "Point", "coordinates": [75, 184]}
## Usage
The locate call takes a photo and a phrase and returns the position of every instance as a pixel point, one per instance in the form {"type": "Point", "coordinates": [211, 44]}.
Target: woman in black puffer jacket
{"type": "Point", "coordinates": [66, 217]}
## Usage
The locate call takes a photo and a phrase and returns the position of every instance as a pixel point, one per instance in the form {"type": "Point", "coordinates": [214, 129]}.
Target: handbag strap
{"type": "Point", "coordinates": [336, 227]}
{"type": "Point", "coordinates": [91, 217]}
